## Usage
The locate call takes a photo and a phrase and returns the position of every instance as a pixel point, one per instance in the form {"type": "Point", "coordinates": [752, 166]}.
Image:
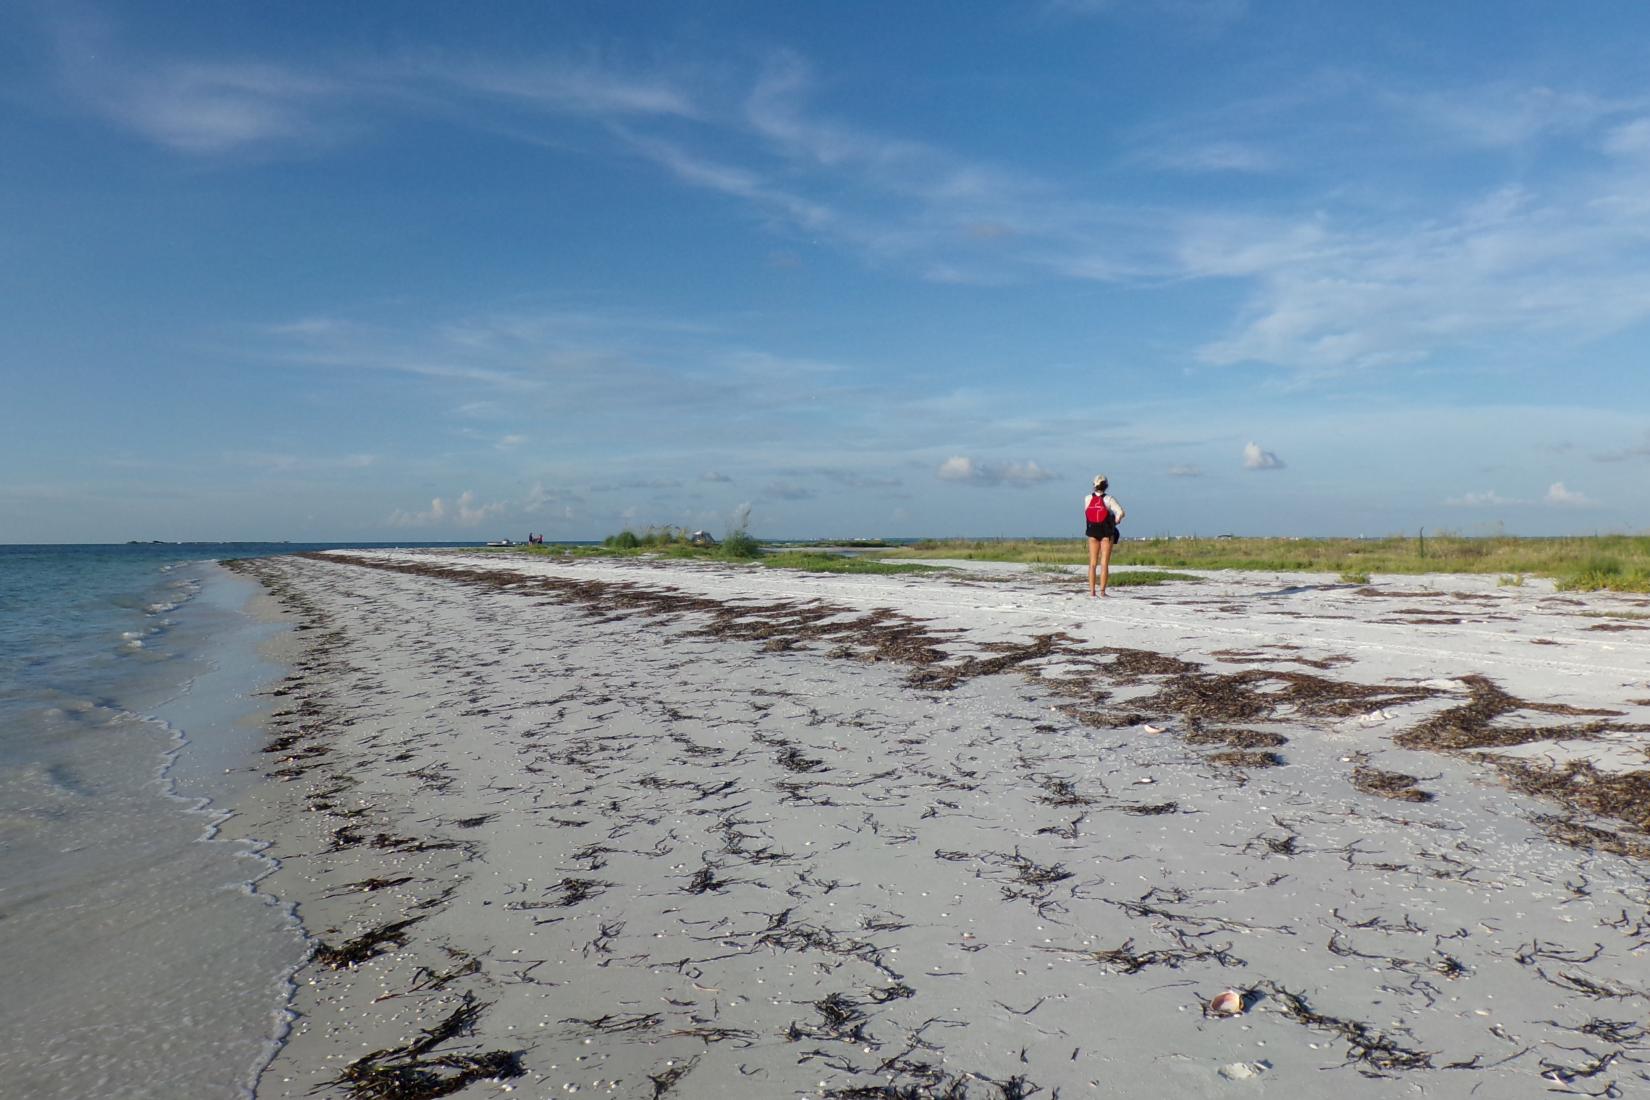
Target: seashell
{"type": "Point", "coordinates": [1154, 729]}
{"type": "Point", "coordinates": [1229, 1003]}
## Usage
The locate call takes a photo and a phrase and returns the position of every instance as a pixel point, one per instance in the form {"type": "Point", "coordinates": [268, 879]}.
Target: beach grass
{"type": "Point", "coordinates": [1617, 562]}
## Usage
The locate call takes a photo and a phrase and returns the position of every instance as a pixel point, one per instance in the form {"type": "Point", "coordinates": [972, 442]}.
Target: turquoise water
{"type": "Point", "coordinates": [143, 961]}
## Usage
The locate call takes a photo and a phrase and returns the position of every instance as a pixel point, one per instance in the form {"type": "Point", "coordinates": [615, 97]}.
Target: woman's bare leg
{"type": "Point", "coordinates": [1094, 560]}
{"type": "Point", "coordinates": [1105, 564]}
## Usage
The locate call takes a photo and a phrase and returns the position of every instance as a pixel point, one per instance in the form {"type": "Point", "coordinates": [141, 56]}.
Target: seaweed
{"type": "Point", "coordinates": [1152, 809]}
{"type": "Point", "coordinates": [368, 945]}
{"type": "Point", "coordinates": [1235, 738]}
{"type": "Point", "coordinates": [1384, 784]}
{"type": "Point", "coordinates": [670, 1078]}
{"type": "Point", "coordinates": [410, 1072]}
{"type": "Point", "coordinates": [1578, 785]}
{"type": "Point", "coordinates": [612, 1023]}
{"type": "Point", "coordinates": [841, 1021]}
{"type": "Point", "coordinates": [1244, 758]}
{"type": "Point", "coordinates": [1366, 1045]}
{"type": "Point", "coordinates": [1472, 725]}
{"type": "Point", "coordinates": [1126, 960]}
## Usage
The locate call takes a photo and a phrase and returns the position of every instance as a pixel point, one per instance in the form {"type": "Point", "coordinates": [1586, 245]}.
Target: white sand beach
{"type": "Point", "coordinates": [666, 829]}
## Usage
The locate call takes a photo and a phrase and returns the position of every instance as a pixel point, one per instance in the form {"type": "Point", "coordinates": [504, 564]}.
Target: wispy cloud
{"type": "Point", "coordinates": [1489, 498]}
{"type": "Point", "coordinates": [553, 503]}
{"type": "Point", "coordinates": [1504, 114]}
{"type": "Point", "coordinates": [560, 84]}
{"type": "Point", "coordinates": [1212, 156]}
{"type": "Point", "coordinates": [1208, 14]}
{"type": "Point", "coordinates": [969, 471]}
{"type": "Point", "coordinates": [285, 463]}
{"type": "Point", "coordinates": [1256, 457]}
{"type": "Point", "coordinates": [198, 107]}
{"type": "Point", "coordinates": [1184, 470]}
{"type": "Point", "coordinates": [1626, 454]}
{"type": "Point", "coordinates": [788, 490]}
{"type": "Point", "coordinates": [638, 483]}
{"type": "Point", "coordinates": [1510, 266]}
{"type": "Point", "coordinates": [1356, 280]}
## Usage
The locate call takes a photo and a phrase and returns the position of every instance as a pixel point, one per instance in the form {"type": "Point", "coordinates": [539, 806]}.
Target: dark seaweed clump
{"type": "Point", "coordinates": [411, 1072]}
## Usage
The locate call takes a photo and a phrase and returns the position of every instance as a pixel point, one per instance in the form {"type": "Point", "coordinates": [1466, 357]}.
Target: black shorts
{"type": "Point", "coordinates": [1104, 530]}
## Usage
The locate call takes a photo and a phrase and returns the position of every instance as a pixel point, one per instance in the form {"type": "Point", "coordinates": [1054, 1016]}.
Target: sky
{"type": "Point", "coordinates": [428, 271]}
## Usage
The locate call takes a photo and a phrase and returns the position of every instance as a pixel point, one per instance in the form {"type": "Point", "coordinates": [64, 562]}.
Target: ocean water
{"type": "Point", "coordinates": [142, 960]}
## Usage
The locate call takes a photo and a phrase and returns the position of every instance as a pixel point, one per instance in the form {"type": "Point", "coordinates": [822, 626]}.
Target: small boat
{"type": "Point", "coordinates": [501, 542]}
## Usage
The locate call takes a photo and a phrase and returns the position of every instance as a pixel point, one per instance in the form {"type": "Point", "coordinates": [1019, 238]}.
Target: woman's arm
{"type": "Point", "coordinates": [1114, 508]}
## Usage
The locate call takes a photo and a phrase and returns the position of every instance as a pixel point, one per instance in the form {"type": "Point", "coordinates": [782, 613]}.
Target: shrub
{"type": "Point", "coordinates": [624, 540]}
{"type": "Point", "coordinates": [1353, 577]}
{"type": "Point", "coordinates": [738, 544]}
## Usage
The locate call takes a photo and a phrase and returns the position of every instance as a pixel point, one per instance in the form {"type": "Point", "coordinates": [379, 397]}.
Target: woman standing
{"type": "Point", "coordinates": [1102, 514]}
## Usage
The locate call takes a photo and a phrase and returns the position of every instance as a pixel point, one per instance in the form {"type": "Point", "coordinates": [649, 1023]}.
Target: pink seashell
{"type": "Point", "coordinates": [1229, 1003]}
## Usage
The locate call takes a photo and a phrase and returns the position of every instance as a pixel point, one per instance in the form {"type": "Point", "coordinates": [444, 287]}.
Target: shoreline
{"type": "Point", "coordinates": [151, 962]}
{"type": "Point", "coordinates": [457, 742]}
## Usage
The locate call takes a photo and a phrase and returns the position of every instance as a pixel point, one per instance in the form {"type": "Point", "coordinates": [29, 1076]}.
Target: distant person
{"type": "Point", "coordinates": [1101, 515]}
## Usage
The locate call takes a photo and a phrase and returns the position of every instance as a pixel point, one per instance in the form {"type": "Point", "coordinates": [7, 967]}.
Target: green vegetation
{"type": "Point", "coordinates": [837, 563]}
{"type": "Point", "coordinates": [739, 546]}
{"type": "Point", "coordinates": [1618, 562]}
{"type": "Point", "coordinates": [1130, 578]}
{"type": "Point", "coordinates": [1352, 576]}
{"type": "Point", "coordinates": [846, 544]}
{"type": "Point", "coordinates": [654, 538]}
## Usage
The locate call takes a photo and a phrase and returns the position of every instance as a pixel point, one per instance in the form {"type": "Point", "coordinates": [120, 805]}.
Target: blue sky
{"type": "Point", "coordinates": [430, 271]}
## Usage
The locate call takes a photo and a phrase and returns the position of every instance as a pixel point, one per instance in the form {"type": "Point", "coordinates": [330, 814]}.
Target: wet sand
{"type": "Point", "coordinates": [647, 829]}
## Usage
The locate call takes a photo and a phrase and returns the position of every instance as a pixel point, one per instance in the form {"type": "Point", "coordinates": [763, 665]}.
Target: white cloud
{"type": "Point", "coordinates": [1255, 458]}
{"type": "Point", "coordinates": [969, 471]}
{"type": "Point", "coordinates": [463, 512]}
{"type": "Point", "coordinates": [510, 442]}
{"type": "Point", "coordinates": [1568, 498]}
{"type": "Point", "coordinates": [712, 475]}
{"type": "Point", "coordinates": [1557, 496]}
{"type": "Point", "coordinates": [1184, 470]}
